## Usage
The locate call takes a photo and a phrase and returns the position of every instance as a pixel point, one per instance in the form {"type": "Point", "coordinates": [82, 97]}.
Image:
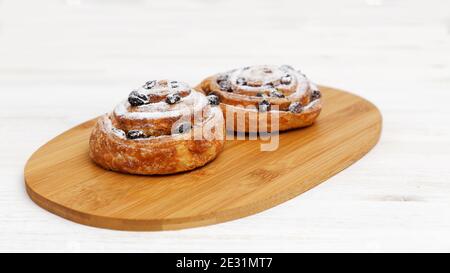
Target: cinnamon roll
{"type": "Point", "coordinates": [163, 127]}
{"type": "Point", "coordinates": [277, 98]}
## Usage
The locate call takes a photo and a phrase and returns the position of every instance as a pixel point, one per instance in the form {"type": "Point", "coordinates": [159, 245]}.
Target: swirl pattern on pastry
{"type": "Point", "coordinates": [164, 127]}
{"type": "Point", "coordinates": [279, 92]}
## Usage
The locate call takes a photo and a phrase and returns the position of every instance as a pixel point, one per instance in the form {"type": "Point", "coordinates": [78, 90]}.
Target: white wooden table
{"type": "Point", "coordinates": [65, 61]}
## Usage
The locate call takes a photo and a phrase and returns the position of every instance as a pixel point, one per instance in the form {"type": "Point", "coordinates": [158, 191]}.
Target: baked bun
{"type": "Point", "coordinates": [275, 97]}
{"type": "Point", "coordinates": [164, 127]}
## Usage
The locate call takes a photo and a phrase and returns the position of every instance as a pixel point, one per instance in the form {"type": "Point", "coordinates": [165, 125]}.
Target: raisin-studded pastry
{"type": "Point", "coordinates": [258, 96]}
{"type": "Point", "coordinates": [164, 127]}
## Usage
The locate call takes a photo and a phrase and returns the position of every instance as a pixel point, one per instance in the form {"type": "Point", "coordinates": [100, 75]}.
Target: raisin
{"type": "Point", "coordinates": [241, 81]}
{"type": "Point", "coordinates": [137, 99]}
{"type": "Point", "coordinates": [315, 95]}
{"type": "Point", "coordinates": [286, 79]}
{"type": "Point", "coordinates": [184, 128]}
{"type": "Point", "coordinates": [136, 134]}
{"type": "Point", "coordinates": [173, 98]}
{"type": "Point", "coordinates": [213, 100]}
{"type": "Point", "coordinates": [295, 107]}
{"type": "Point", "coordinates": [149, 84]}
{"type": "Point", "coordinates": [264, 106]}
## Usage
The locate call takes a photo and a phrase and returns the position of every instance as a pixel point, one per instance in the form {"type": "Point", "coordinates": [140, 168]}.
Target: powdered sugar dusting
{"type": "Point", "coordinates": [265, 78]}
{"type": "Point", "coordinates": [194, 102]}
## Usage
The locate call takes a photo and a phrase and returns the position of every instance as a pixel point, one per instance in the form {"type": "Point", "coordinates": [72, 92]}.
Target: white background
{"type": "Point", "coordinates": [65, 61]}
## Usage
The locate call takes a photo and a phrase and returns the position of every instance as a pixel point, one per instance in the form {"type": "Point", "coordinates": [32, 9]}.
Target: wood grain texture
{"type": "Point", "coordinates": [242, 181]}
{"type": "Point", "coordinates": [66, 61]}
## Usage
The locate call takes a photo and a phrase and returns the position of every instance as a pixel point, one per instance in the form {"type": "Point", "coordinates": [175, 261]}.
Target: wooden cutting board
{"type": "Point", "coordinates": [242, 181]}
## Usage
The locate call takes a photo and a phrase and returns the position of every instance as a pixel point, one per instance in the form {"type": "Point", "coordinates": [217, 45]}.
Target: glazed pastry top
{"type": "Point", "coordinates": [159, 108]}
{"type": "Point", "coordinates": [163, 127]}
{"type": "Point", "coordinates": [267, 87]}
{"type": "Point", "coordinates": [161, 100]}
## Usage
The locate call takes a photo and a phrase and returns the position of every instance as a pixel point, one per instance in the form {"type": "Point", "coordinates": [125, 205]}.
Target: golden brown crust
{"type": "Point", "coordinates": [239, 104]}
{"type": "Point", "coordinates": [286, 120]}
{"type": "Point", "coordinates": [160, 153]}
